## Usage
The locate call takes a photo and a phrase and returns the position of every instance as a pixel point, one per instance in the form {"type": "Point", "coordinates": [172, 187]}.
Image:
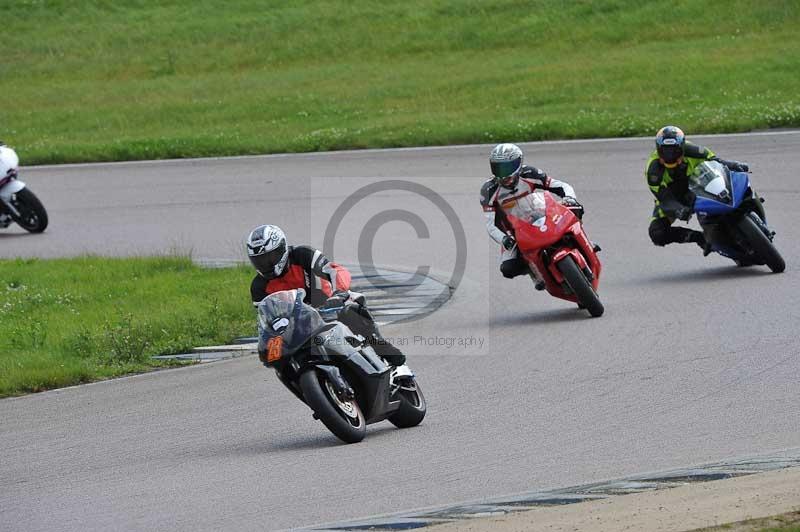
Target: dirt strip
{"type": "Point", "coordinates": [676, 509]}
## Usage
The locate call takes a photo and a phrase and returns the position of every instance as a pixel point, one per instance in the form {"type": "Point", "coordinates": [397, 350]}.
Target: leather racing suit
{"type": "Point", "coordinates": [674, 200]}
{"type": "Point", "coordinates": [309, 269]}
{"type": "Point", "coordinates": [493, 196]}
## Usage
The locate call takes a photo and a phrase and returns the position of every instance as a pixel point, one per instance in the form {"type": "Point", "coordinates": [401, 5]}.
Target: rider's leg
{"type": "Point", "coordinates": [513, 265]}
{"type": "Point", "coordinates": [360, 321]}
{"type": "Point", "coordinates": [662, 233]}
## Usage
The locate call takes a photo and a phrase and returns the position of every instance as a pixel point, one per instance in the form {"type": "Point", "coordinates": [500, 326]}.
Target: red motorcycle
{"type": "Point", "coordinates": [551, 239]}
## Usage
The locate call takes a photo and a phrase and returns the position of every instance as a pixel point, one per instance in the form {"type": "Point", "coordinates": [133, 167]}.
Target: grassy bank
{"type": "Point", "coordinates": [70, 321]}
{"type": "Point", "coordinates": [104, 80]}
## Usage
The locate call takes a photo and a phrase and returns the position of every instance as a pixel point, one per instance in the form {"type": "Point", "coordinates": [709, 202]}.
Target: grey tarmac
{"type": "Point", "coordinates": [694, 361]}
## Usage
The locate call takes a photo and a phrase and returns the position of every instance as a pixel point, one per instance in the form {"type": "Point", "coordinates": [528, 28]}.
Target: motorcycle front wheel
{"type": "Point", "coordinates": [342, 416]}
{"type": "Point", "coordinates": [32, 216]}
{"type": "Point", "coordinates": [580, 286]}
{"type": "Point", "coordinates": [762, 245]}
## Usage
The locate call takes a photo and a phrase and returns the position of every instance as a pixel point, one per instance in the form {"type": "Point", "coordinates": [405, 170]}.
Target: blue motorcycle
{"type": "Point", "coordinates": [732, 216]}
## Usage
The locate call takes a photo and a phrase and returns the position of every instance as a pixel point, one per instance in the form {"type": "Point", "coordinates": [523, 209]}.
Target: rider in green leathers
{"type": "Point", "coordinates": [667, 173]}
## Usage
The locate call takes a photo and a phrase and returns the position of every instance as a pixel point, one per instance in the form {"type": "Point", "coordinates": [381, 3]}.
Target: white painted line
{"type": "Point", "coordinates": [233, 347]}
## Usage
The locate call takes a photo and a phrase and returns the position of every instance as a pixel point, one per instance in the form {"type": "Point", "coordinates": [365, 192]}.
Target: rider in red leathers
{"type": "Point", "coordinates": [326, 284]}
{"type": "Point", "coordinates": [511, 179]}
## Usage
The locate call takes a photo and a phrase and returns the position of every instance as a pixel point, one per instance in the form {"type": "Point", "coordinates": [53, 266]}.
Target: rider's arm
{"type": "Point", "coordinates": [258, 289]}
{"type": "Point", "coordinates": [667, 200]}
{"type": "Point", "coordinates": [561, 188]}
{"type": "Point", "coordinates": [695, 151]}
{"type": "Point", "coordinates": [543, 181]}
{"type": "Point", "coordinates": [708, 155]}
{"type": "Point", "coordinates": [655, 180]}
{"type": "Point", "coordinates": [313, 260]}
{"type": "Point", "coordinates": [701, 152]}
{"type": "Point", "coordinates": [494, 232]}
{"type": "Point", "coordinates": [487, 203]}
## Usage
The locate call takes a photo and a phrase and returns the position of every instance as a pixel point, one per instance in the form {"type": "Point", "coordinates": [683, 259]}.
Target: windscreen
{"type": "Point", "coordinates": [530, 208]}
{"type": "Point", "coordinates": [709, 177]}
{"type": "Point", "coordinates": [284, 314]}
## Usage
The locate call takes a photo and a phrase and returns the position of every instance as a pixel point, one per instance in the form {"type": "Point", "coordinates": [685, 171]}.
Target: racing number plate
{"type": "Point", "coordinates": [274, 349]}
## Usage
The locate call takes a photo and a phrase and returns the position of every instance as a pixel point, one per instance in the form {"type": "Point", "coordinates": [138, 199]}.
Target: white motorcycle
{"type": "Point", "coordinates": [17, 202]}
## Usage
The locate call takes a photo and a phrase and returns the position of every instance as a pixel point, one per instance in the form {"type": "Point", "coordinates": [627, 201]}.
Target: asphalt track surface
{"type": "Point", "coordinates": [695, 360]}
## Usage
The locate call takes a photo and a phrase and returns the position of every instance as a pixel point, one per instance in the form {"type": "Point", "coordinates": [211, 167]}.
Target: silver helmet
{"type": "Point", "coordinates": [506, 163]}
{"type": "Point", "coordinates": [267, 250]}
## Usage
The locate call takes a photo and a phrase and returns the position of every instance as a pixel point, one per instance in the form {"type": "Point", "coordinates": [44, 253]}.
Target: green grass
{"type": "Point", "coordinates": [69, 321]}
{"type": "Point", "coordinates": [788, 522]}
{"type": "Point", "coordinates": [109, 80]}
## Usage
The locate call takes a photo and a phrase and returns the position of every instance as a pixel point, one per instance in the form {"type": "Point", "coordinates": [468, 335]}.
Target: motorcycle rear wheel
{"type": "Point", "coordinates": [762, 245]}
{"type": "Point", "coordinates": [412, 407]}
{"type": "Point", "coordinates": [33, 217]}
{"type": "Point", "coordinates": [342, 417]}
{"type": "Point", "coordinates": [580, 286]}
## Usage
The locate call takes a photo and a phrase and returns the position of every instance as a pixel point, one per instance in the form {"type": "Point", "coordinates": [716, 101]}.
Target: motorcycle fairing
{"type": "Point", "coordinates": [717, 189]}
{"type": "Point", "coordinates": [540, 228]}
{"type": "Point", "coordinates": [736, 187]}
{"type": "Point", "coordinates": [284, 316]}
{"type": "Point", "coordinates": [542, 223]}
{"type": "Point", "coordinates": [7, 191]}
{"type": "Point", "coordinates": [368, 372]}
{"type": "Point", "coordinates": [10, 188]}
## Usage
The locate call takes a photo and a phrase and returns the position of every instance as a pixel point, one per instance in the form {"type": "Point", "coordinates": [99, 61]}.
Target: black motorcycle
{"type": "Point", "coordinates": [333, 370]}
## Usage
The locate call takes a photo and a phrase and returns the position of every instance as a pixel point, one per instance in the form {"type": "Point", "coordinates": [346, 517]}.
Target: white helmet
{"type": "Point", "coordinates": [267, 250]}
{"type": "Point", "coordinates": [9, 162]}
{"type": "Point", "coordinates": [506, 163]}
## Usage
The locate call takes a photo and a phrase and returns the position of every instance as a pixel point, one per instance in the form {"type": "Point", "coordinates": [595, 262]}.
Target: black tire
{"type": "Point", "coordinates": [33, 217]}
{"type": "Point", "coordinates": [580, 286]}
{"type": "Point", "coordinates": [412, 406]}
{"type": "Point", "coordinates": [762, 245]}
{"type": "Point", "coordinates": [320, 396]}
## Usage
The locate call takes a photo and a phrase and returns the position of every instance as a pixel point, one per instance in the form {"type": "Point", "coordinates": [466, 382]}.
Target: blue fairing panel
{"type": "Point", "coordinates": [740, 182]}
{"type": "Point", "coordinates": [703, 205]}
{"type": "Point", "coordinates": [706, 206]}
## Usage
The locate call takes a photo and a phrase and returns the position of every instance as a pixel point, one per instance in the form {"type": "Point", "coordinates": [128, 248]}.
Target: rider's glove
{"type": "Point", "coordinates": [735, 166]}
{"type": "Point", "coordinates": [336, 301]}
{"type": "Point", "coordinates": [573, 205]}
{"type": "Point", "coordinates": [509, 242]}
{"type": "Point", "coordinates": [740, 167]}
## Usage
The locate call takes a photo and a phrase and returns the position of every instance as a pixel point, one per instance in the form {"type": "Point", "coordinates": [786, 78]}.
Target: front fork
{"type": "Point", "coordinates": [758, 207]}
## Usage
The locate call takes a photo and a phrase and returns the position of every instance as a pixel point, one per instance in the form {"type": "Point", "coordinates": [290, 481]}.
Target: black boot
{"type": "Point", "coordinates": [386, 350]}
{"type": "Point", "coordinates": [698, 238]}
{"type": "Point", "coordinates": [361, 322]}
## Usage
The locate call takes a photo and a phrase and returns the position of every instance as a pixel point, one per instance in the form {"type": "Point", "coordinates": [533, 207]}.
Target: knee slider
{"type": "Point", "coordinates": [658, 234]}
{"type": "Point", "coordinates": [507, 269]}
